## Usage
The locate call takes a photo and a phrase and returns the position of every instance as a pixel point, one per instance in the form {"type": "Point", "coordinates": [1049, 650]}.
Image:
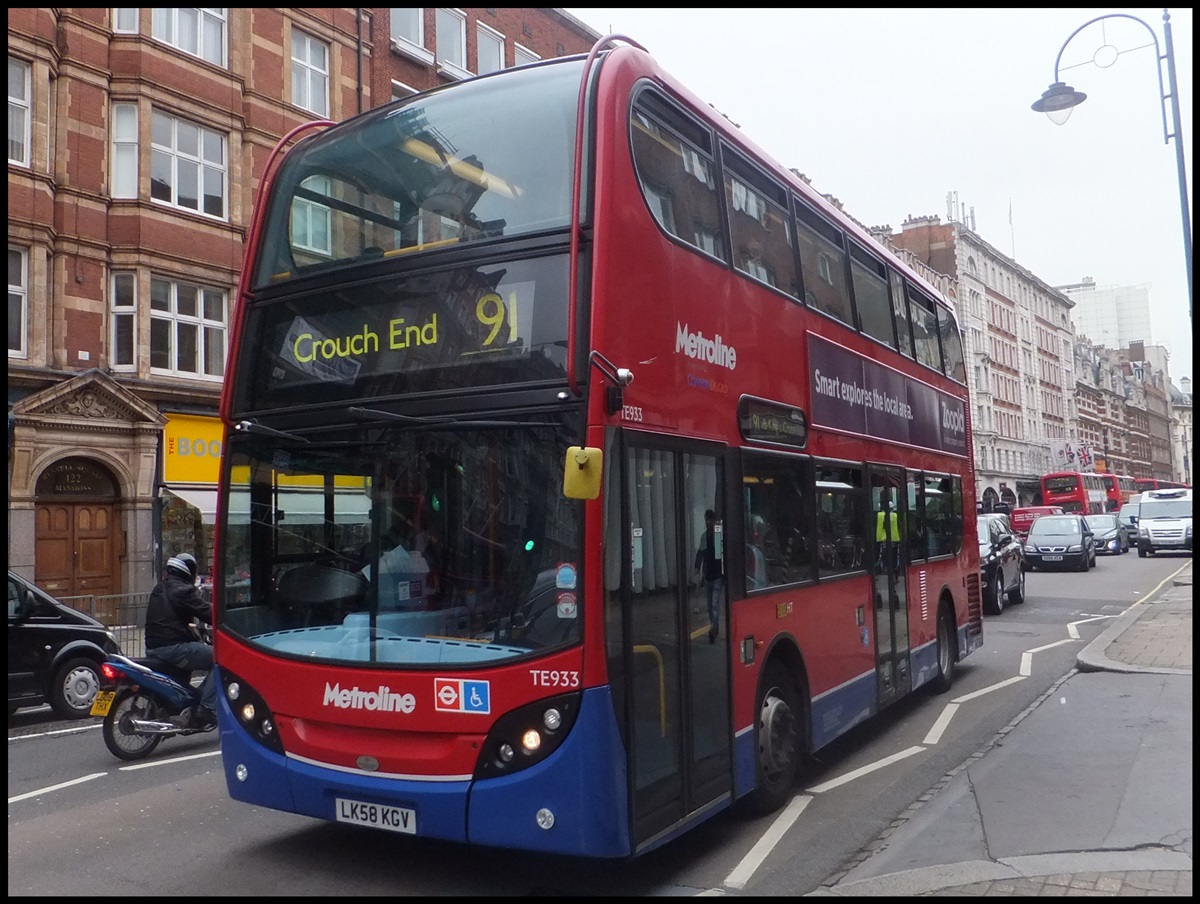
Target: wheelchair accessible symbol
{"type": "Point", "coordinates": [458, 695]}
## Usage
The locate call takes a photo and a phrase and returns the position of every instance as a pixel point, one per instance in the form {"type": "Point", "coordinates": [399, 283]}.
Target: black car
{"type": "Point", "coordinates": [54, 652]}
{"type": "Point", "coordinates": [1001, 563]}
{"type": "Point", "coordinates": [1110, 537]}
{"type": "Point", "coordinates": [1060, 541]}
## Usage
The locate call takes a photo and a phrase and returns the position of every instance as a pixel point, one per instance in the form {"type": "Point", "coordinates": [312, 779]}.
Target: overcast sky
{"type": "Point", "coordinates": [890, 110]}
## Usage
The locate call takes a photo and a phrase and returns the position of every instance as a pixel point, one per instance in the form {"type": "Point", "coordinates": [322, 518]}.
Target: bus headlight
{"type": "Point", "coordinates": [251, 711]}
{"type": "Point", "coordinates": [526, 736]}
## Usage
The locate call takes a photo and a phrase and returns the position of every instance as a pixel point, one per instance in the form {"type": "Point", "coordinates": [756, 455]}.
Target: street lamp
{"type": "Point", "coordinates": [1059, 99]}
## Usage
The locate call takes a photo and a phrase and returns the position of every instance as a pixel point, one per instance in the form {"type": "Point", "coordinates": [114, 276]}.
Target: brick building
{"type": "Point", "coordinates": [136, 141]}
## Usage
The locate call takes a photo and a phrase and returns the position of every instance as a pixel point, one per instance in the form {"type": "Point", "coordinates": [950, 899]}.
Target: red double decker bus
{"type": "Point", "coordinates": [1117, 488]}
{"type": "Point", "coordinates": [1142, 484]}
{"type": "Point", "coordinates": [1076, 491]}
{"type": "Point", "coordinates": [584, 470]}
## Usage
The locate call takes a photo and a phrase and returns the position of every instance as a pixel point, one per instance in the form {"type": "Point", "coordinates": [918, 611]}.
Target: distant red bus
{"type": "Point", "coordinates": [1142, 484]}
{"type": "Point", "coordinates": [1118, 488]}
{"type": "Point", "coordinates": [1076, 491]}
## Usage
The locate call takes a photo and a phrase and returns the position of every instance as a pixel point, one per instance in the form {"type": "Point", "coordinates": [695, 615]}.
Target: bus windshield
{"type": "Point", "coordinates": [461, 548]}
{"type": "Point", "coordinates": [436, 170]}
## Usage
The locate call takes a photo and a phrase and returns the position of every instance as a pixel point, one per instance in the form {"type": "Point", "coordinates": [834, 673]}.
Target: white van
{"type": "Point", "coordinates": [1164, 521]}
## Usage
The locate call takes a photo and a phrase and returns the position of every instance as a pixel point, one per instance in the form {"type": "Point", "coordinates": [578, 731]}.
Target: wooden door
{"type": "Point", "coordinates": [75, 547]}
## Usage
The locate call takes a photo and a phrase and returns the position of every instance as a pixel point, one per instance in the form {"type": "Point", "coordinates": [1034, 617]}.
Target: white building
{"type": "Point", "coordinates": [1112, 316]}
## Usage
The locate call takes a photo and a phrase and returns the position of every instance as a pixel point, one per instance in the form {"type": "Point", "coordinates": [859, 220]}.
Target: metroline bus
{"type": "Point", "coordinates": [1117, 488]}
{"type": "Point", "coordinates": [1142, 484]}
{"type": "Point", "coordinates": [545, 325]}
{"type": "Point", "coordinates": [1085, 492]}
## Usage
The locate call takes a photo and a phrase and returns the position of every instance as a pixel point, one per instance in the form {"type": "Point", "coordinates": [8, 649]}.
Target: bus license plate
{"type": "Point", "coordinates": [394, 819]}
{"type": "Point", "coordinates": [103, 703]}
{"type": "Point", "coordinates": [1052, 558]}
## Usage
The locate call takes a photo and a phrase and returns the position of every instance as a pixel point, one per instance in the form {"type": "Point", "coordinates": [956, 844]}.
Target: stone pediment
{"type": "Point", "coordinates": [92, 396]}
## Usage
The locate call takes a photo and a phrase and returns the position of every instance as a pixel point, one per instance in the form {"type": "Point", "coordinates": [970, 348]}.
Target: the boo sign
{"type": "Point", "coordinates": [192, 449]}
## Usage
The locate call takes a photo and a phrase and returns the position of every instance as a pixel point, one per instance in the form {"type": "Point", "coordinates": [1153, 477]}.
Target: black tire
{"type": "Point", "coordinates": [1083, 562]}
{"type": "Point", "coordinates": [947, 653]}
{"type": "Point", "coordinates": [1141, 553]}
{"type": "Point", "coordinates": [119, 736]}
{"type": "Point", "coordinates": [1016, 596]}
{"type": "Point", "coordinates": [778, 738]}
{"type": "Point", "coordinates": [73, 688]}
{"type": "Point", "coordinates": [995, 594]}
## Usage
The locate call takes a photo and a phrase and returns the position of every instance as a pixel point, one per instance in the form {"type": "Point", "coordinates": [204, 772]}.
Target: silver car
{"type": "Point", "coordinates": [1109, 537]}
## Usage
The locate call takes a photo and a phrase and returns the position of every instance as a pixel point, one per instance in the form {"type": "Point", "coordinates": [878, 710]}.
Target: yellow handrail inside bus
{"type": "Point", "coordinates": [662, 683]}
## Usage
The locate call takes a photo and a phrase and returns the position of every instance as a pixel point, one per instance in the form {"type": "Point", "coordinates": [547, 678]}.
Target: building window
{"type": "Point", "coordinates": [524, 55]}
{"type": "Point", "coordinates": [124, 321]}
{"type": "Point", "coordinates": [187, 329]}
{"type": "Point", "coordinates": [18, 112]}
{"type": "Point", "coordinates": [452, 41]}
{"type": "Point", "coordinates": [195, 30]}
{"type": "Point", "coordinates": [124, 151]}
{"type": "Point", "coordinates": [18, 302]}
{"type": "Point", "coordinates": [187, 165]}
{"type": "Point", "coordinates": [310, 73]}
{"type": "Point", "coordinates": [311, 225]}
{"type": "Point", "coordinates": [408, 26]}
{"type": "Point", "coordinates": [125, 20]}
{"type": "Point", "coordinates": [491, 50]}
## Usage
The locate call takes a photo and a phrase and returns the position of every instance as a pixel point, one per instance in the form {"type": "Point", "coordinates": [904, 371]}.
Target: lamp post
{"type": "Point", "coordinates": [1059, 99]}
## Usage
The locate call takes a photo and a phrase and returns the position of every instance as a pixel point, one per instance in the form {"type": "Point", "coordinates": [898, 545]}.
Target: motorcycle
{"type": "Point", "coordinates": [139, 697]}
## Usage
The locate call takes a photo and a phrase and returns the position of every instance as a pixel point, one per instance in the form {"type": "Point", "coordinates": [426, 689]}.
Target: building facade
{"type": "Point", "coordinates": [1181, 426]}
{"type": "Point", "coordinates": [1018, 340]}
{"type": "Point", "coordinates": [137, 138]}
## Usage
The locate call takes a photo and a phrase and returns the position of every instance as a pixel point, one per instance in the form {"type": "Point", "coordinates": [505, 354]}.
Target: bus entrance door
{"type": "Point", "coordinates": [889, 585]}
{"type": "Point", "coordinates": [676, 684]}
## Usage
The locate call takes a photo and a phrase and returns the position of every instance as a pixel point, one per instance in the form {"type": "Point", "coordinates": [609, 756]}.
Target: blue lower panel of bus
{"type": "Point", "coordinates": [582, 785]}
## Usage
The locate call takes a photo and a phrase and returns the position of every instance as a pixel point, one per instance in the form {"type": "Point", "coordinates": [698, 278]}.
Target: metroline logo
{"type": "Point", "coordinates": [382, 699]}
{"type": "Point", "coordinates": [701, 348]}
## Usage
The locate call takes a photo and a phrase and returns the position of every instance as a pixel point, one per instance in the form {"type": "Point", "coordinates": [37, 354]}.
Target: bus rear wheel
{"type": "Point", "coordinates": [778, 736]}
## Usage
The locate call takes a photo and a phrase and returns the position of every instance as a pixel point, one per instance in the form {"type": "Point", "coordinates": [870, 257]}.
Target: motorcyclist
{"type": "Point", "coordinates": [174, 602]}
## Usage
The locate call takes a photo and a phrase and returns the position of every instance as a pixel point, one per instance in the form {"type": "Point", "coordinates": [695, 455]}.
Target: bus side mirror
{"type": "Point", "coordinates": [581, 472]}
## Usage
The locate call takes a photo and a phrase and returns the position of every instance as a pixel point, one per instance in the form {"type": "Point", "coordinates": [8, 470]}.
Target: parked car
{"type": "Point", "coordinates": [1128, 516]}
{"type": "Point", "coordinates": [54, 652]}
{"type": "Point", "coordinates": [1110, 539]}
{"type": "Point", "coordinates": [1165, 521]}
{"type": "Point", "coordinates": [1001, 563]}
{"type": "Point", "coordinates": [1060, 541]}
{"type": "Point", "coordinates": [1022, 518]}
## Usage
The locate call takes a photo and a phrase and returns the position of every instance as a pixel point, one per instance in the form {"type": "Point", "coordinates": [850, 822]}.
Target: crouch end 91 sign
{"type": "Point", "coordinates": [858, 395]}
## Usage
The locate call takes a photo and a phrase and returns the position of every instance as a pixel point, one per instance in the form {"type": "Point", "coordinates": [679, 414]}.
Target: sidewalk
{"type": "Point", "coordinates": [1087, 792]}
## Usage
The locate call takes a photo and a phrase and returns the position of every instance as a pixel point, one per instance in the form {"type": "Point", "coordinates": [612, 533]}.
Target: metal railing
{"type": "Point", "coordinates": [124, 614]}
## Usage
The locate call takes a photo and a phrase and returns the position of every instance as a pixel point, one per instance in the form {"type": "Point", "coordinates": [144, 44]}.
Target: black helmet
{"type": "Point", "coordinates": [183, 565]}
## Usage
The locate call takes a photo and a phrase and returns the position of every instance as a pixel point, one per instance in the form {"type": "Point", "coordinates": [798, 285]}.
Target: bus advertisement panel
{"type": "Point", "coordinates": [624, 455]}
{"type": "Point", "coordinates": [1075, 491]}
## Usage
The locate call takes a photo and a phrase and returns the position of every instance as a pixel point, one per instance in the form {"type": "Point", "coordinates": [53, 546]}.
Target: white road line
{"type": "Point", "coordinates": [1027, 656]}
{"type": "Point", "coordinates": [176, 759]}
{"type": "Point", "coordinates": [1073, 631]}
{"type": "Point", "coordinates": [939, 726]}
{"type": "Point", "coordinates": [865, 770]}
{"type": "Point", "coordinates": [987, 690]}
{"type": "Point", "coordinates": [59, 787]}
{"type": "Point", "coordinates": [743, 871]}
{"type": "Point", "coordinates": [59, 731]}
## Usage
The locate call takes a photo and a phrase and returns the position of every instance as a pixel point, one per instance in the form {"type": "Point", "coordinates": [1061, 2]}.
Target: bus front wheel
{"type": "Point", "coordinates": [778, 734]}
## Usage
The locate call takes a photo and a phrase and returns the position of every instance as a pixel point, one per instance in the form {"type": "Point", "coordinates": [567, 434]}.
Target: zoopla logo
{"type": "Point", "coordinates": [953, 420]}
